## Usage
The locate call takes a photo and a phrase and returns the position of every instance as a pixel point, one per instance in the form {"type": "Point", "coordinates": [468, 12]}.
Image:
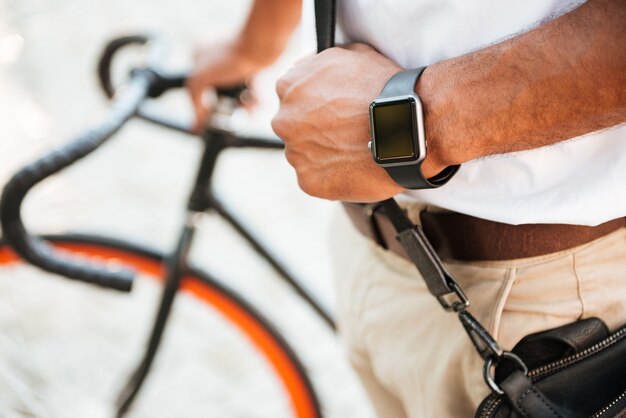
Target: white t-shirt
{"type": "Point", "coordinates": [579, 181]}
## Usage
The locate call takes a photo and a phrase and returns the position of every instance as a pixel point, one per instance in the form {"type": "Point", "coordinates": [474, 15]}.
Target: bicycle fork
{"type": "Point", "coordinates": [176, 266]}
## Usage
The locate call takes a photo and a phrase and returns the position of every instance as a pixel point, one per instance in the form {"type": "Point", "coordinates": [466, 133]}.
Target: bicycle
{"type": "Point", "coordinates": [150, 81]}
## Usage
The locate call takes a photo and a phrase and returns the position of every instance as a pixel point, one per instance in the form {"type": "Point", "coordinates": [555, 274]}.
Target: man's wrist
{"type": "Point", "coordinates": [439, 154]}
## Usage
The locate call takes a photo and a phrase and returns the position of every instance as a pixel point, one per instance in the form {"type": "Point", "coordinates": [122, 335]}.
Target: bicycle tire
{"type": "Point", "coordinates": [257, 329]}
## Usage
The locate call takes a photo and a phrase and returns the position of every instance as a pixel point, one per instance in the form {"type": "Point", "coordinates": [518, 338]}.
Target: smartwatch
{"type": "Point", "coordinates": [397, 126]}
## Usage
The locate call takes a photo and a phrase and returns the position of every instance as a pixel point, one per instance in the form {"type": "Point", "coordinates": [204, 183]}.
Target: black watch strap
{"type": "Point", "coordinates": [410, 176]}
{"type": "Point", "coordinates": [402, 83]}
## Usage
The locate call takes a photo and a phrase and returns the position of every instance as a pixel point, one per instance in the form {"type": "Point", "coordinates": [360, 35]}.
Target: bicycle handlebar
{"type": "Point", "coordinates": [162, 81]}
{"type": "Point", "coordinates": [34, 249]}
{"type": "Point", "coordinates": [144, 82]}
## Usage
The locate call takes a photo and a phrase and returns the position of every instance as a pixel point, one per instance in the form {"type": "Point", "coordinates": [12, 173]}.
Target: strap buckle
{"type": "Point", "coordinates": [485, 344]}
{"type": "Point", "coordinates": [441, 284]}
{"type": "Point", "coordinates": [439, 281]}
{"type": "Point", "coordinates": [456, 300]}
{"type": "Point", "coordinates": [488, 348]}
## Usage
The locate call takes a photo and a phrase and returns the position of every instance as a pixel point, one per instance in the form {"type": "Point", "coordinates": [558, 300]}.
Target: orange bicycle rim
{"type": "Point", "coordinates": [296, 389]}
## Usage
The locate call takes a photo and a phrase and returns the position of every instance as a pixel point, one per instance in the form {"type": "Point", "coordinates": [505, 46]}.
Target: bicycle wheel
{"type": "Point", "coordinates": [260, 333]}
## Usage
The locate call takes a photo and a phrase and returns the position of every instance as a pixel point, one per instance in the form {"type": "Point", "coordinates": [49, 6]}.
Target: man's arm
{"type": "Point", "coordinates": [262, 39]}
{"type": "Point", "coordinates": [561, 80]}
{"type": "Point", "coordinates": [268, 28]}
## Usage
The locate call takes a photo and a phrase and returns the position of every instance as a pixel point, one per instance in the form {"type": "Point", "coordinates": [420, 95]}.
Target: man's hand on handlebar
{"type": "Point", "coordinates": [260, 42]}
{"type": "Point", "coordinates": [217, 65]}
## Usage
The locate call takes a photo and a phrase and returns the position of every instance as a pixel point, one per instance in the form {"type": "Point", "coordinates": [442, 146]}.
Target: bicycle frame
{"type": "Point", "coordinates": [202, 200]}
{"type": "Point", "coordinates": [145, 82]}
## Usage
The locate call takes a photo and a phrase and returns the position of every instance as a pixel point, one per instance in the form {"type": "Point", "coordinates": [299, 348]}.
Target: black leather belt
{"type": "Point", "coordinates": [463, 237]}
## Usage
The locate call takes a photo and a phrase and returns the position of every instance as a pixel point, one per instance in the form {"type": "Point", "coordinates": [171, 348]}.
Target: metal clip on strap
{"type": "Point", "coordinates": [485, 344]}
{"type": "Point", "coordinates": [439, 282]}
{"type": "Point", "coordinates": [442, 285]}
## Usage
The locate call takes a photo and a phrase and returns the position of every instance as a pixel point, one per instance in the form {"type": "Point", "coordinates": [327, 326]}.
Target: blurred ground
{"type": "Point", "coordinates": [66, 348]}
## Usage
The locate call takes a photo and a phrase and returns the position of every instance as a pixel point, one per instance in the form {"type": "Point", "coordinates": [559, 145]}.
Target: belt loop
{"type": "Point", "coordinates": [370, 212]}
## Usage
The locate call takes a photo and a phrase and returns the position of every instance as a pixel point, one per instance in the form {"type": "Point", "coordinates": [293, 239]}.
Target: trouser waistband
{"type": "Point", "coordinates": [463, 237]}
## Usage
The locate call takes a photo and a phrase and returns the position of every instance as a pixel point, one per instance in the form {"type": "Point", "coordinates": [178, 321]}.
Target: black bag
{"type": "Point", "coordinates": [574, 371]}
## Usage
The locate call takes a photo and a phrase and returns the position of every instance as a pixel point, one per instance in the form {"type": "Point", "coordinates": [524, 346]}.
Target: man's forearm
{"type": "Point", "coordinates": [558, 81]}
{"type": "Point", "coordinates": [269, 25]}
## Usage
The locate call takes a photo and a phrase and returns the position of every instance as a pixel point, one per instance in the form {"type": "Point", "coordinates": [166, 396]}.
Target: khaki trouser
{"type": "Point", "coordinates": [415, 360]}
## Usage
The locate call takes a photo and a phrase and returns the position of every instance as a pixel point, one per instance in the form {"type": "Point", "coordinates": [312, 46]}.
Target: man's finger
{"type": "Point", "coordinates": [282, 85]}
{"type": "Point", "coordinates": [200, 108]}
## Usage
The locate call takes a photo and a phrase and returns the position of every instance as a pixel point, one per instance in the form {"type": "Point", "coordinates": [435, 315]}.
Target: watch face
{"type": "Point", "coordinates": [395, 130]}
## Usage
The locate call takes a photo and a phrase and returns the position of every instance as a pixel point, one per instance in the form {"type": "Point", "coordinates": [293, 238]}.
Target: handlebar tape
{"type": "Point", "coordinates": [37, 251]}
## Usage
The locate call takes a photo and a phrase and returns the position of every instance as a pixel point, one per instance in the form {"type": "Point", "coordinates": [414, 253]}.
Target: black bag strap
{"type": "Point", "coordinates": [325, 24]}
{"type": "Point", "coordinates": [440, 283]}
{"type": "Point", "coordinates": [527, 400]}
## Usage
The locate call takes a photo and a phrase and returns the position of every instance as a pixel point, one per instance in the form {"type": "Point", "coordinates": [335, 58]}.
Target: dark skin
{"type": "Point", "coordinates": [561, 80]}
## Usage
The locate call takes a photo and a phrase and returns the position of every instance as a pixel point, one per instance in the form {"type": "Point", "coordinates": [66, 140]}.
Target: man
{"type": "Point", "coordinates": [507, 87]}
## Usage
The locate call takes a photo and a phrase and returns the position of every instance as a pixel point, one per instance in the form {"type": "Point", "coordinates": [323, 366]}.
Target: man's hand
{"type": "Point", "coordinates": [563, 79]}
{"type": "Point", "coordinates": [260, 42]}
{"type": "Point", "coordinates": [323, 119]}
{"type": "Point", "coordinates": [218, 65]}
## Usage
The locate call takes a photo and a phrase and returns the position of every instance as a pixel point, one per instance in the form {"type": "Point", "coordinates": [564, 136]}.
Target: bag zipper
{"type": "Point", "coordinates": [491, 406]}
{"type": "Point", "coordinates": [611, 409]}
{"type": "Point", "coordinates": [554, 367]}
